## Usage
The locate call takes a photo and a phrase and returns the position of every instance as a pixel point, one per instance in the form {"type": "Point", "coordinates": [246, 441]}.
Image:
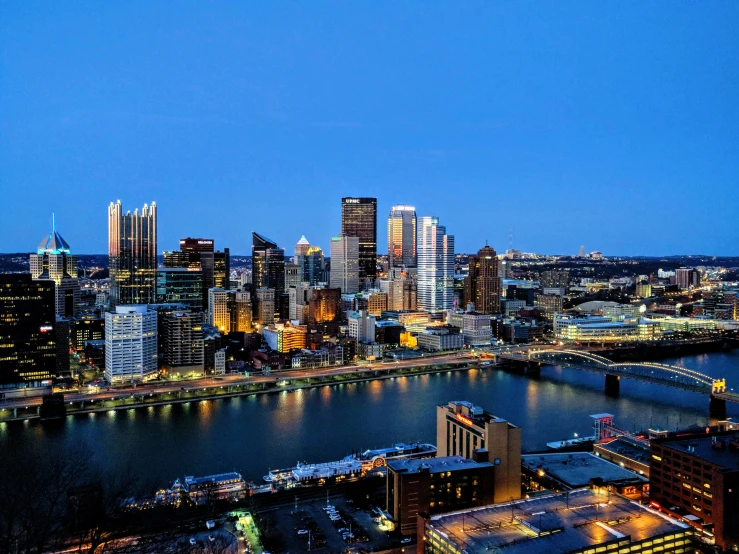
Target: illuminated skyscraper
{"type": "Point", "coordinates": [132, 254]}
{"type": "Point", "coordinates": [359, 219]}
{"type": "Point", "coordinates": [54, 261]}
{"type": "Point", "coordinates": [314, 266]}
{"type": "Point", "coordinates": [482, 284]}
{"type": "Point", "coordinates": [200, 254]}
{"type": "Point", "coordinates": [435, 266]}
{"type": "Point", "coordinates": [345, 264]}
{"type": "Point", "coordinates": [401, 236]}
{"type": "Point", "coordinates": [130, 344]}
{"type": "Point", "coordinates": [268, 264]}
{"type": "Point", "coordinates": [27, 331]}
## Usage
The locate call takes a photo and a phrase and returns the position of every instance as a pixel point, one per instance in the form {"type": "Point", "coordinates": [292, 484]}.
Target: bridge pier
{"type": "Point", "coordinates": [717, 408]}
{"type": "Point", "coordinates": [533, 368]}
{"type": "Point", "coordinates": [613, 385]}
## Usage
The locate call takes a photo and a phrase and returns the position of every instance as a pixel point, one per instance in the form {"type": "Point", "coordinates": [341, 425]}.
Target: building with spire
{"type": "Point", "coordinates": [132, 254]}
{"type": "Point", "coordinates": [301, 248]}
{"type": "Point", "coordinates": [54, 261]}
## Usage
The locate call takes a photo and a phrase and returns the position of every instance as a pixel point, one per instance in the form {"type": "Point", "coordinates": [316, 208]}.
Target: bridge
{"type": "Point", "coordinates": [647, 372]}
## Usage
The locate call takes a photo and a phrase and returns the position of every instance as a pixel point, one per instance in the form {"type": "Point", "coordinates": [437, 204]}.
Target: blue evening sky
{"type": "Point", "coordinates": [614, 125]}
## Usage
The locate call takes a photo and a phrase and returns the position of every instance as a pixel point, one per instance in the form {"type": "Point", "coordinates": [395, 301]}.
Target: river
{"type": "Point", "coordinates": [255, 433]}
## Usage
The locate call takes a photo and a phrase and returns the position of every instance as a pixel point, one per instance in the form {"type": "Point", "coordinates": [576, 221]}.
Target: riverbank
{"type": "Point", "coordinates": [282, 384]}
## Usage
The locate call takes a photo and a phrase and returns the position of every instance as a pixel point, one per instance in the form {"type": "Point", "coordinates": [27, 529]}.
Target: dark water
{"type": "Point", "coordinates": [253, 434]}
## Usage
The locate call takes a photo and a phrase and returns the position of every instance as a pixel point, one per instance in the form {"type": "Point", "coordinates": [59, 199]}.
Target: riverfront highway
{"type": "Point", "coordinates": [158, 387]}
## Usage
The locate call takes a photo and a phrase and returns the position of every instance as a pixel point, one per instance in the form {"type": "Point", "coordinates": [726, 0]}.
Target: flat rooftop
{"type": "Point", "coordinates": [554, 524]}
{"type": "Point", "coordinates": [435, 465]}
{"type": "Point", "coordinates": [628, 449]}
{"type": "Point", "coordinates": [576, 469]}
{"type": "Point", "coordinates": [702, 447]}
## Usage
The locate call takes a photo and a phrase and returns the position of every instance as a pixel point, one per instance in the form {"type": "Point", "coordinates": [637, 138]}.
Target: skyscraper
{"type": "Point", "coordinates": [314, 266]}
{"type": "Point", "coordinates": [359, 219]}
{"type": "Point", "coordinates": [435, 266]}
{"type": "Point", "coordinates": [345, 268]}
{"type": "Point", "coordinates": [53, 260]}
{"type": "Point", "coordinates": [130, 344]}
{"type": "Point", "coordinates": [401, 236]}
{"type": "Point", "coordinates": [482, 284]}
{"type": "Point", "coordinates": [27, 331]}
{"type": "Point", "coordinates": [132, 254]}
{"type": "Point", "coordinates": [268, 264]}
{"type": "Point", "coordinates": [301, 248]}
{"type": "Point", "coordinates": [200, 254]}
{"type": "Point", "coordinates": [178, 285]}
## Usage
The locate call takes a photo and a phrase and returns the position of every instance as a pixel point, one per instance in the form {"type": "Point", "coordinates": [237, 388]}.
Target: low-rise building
{"type": "Point", "coordinates": [475, 326]}
{"type": "Point", "coordinates": [443, 337]}
{"type": "Point", "coordinates": [435, 485]}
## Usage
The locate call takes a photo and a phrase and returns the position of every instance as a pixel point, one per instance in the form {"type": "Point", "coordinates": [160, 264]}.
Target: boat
{"type": "Point", "coordinates": [353, 466]}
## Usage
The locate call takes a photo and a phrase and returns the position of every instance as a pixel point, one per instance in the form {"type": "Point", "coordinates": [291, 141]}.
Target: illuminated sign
{"type": "Point", "coordinates": [351, 201]}
{"type": "Point", "coordinates": [465, 420]}
{"type": "Point", "coordinates": [205, 242]}
{"type": "Point", "coordinates": [46, 328]}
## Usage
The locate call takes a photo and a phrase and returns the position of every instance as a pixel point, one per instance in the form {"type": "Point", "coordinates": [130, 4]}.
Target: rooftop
{"type": "Point", "coordinates": [628, 448]}
{"type": "Point", "coordinates": [557, 523]}
{"type": "Point", "coordinates": [576, 469]}
{"type": "Point", "coordinates": [702, 446]}
{"type": "Point", "coordinates": [435, 465]}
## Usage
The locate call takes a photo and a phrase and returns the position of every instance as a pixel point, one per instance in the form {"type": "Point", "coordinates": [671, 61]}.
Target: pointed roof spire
{"type": "Point", "coordinates": [54, 243]}
{"type": "Point", "coordinates": [303, 240]}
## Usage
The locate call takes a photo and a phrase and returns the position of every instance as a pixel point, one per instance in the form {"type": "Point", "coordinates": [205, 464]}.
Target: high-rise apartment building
{"type": "Point", "coordinates": [27, 332]}
{"type": "Point", "coordinates": [687, 278]}
{"type": "Point", "coordinates": [462, 428]}
{"type": "Point", "coordinates": [435, 266]}
{"type": "Point", "coordinates": [53, 260]}
{"type": "Point", "coordinates": [132, 254]}
{"type": "Point", "coordinates": [482, 284]}
{"type": "Point", "coordinates": [345, 268]}
{"type": "Point", "coordinates": [183, 339]}
{"type": "Point", "coordinates": [359, 219]}
{"type": "Point", "coordinates": [401, 236]}
{"type": "Point", "coordinates": [130, 344]}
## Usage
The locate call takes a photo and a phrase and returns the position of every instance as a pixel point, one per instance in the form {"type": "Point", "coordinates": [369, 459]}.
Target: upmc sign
{"type": "Point", "coordinates": [351, 201]}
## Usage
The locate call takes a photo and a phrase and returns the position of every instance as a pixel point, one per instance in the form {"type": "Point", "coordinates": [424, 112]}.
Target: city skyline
{"type": "Point", "coordinates": [575, 115]}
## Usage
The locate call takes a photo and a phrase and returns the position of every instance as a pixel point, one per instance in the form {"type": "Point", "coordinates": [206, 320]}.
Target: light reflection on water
{"type": "Point", "coordinates": [250, 434]}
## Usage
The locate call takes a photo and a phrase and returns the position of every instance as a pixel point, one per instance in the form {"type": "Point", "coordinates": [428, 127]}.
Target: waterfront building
{"type": "Point", "coordinates": [132, 254]}
{"type": "Point", "coordinates": [699, 474]}
{"type": "Point", "coordinates": [130, 344]}
{"type": "Point", "coordinates": [463, 428]}
{"type": "Point", "coordinates": [435, 266]}
{"type": "Point", "coordinates": [603, 329]}
{"type": "Point", "coordinates": [482, 283]}
{"type": "Point", "coordinates": [86, 328]}
{"type": "Point", "coordinates": [685, 324]}
{"type": "Point", "coordinates": [220, 362]}
{"type": "Point", "coordinates": [27, 332]}
{"type": "Point", "coordinates": [475, 327]}
{"type": "Point", "coordinates": [345, 274]}
{"type": "Point", "coordinates": [183, 340]}
{"type": "Point", "coordinates": [359, 219]}
{"type": "Point", "coordinates": [435, 485]}
{"type": "Point", "coordinates": [284, 337]}
{"type": "Point", "coordinates": [554, 524]}
{"type": "Point", "coordinates": [264, 305]}
{"type": "Point", "coordinates": [401, 237]}
{"type": "Point", "coordinates": [180, 285]}
{"type": "Point", "coordinates": [362, 326]}
{"type": "Point", "coordinates": [439, 338]}
{"type": "Point", "coordinates": [53, 260]}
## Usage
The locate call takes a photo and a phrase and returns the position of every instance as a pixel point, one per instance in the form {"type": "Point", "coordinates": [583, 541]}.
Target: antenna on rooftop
{"type": "Point", "coordinates": [510, 239]}
{"type": "Point", "coordinates": [53, 222]}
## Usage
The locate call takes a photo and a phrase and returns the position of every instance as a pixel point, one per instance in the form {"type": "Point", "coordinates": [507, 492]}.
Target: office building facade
{"type": "Point", "coordinates": [183, 339]}
{"type": "Point", "coordinates": [27, 332]}
{"type": "Point", "coordinates": [132, 254]}
{"type": "Point", "coordinates": [482, 284]}
{"type": "Point", "coordinates": [345, 269]}
{"type": "Point", "coordinates": [130, 344]}
{"type": "Point", "coordinates": [53, 260]}
{"type": "Point", "coordinates": [401, 236]}
{"type": "Point", "coordinates": [178, 285]}
{"type": "Point", "coordinates": [435, 266]}
{"type": "Point", "coordinates": [359, 219]}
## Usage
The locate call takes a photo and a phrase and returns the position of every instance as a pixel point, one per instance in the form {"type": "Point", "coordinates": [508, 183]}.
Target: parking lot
{"type": "Point", "coordinates": [328, 526]}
